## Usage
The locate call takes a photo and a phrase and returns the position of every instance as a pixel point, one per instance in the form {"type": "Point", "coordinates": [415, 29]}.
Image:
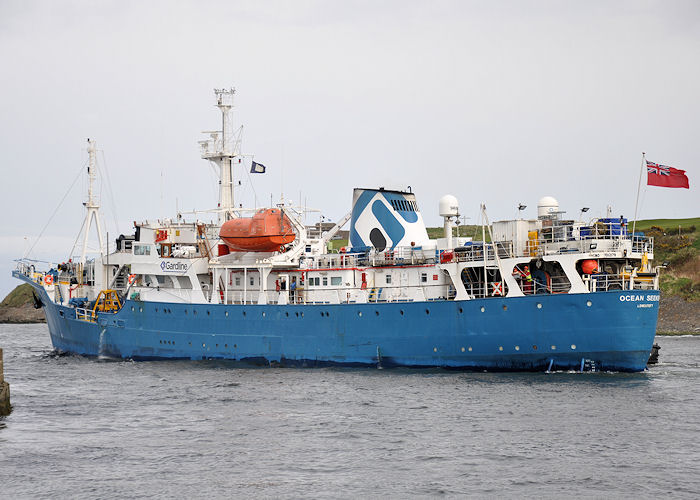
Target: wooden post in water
{"type": "Point", "coordinates": [4, 391]}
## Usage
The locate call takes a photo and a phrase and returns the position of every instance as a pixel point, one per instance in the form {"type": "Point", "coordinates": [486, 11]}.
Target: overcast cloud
{"type": "Point", "coordinates": [501, 102]}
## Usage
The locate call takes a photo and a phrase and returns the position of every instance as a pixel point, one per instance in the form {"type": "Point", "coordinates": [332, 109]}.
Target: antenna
{"type": "Point", "coordinates": [221, 149]}
{"type": "Point", "coordinates": [92, 205]}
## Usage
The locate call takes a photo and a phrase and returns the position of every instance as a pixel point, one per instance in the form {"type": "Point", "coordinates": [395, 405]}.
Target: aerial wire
{"type": "Point", "coordinates": [55, 210]}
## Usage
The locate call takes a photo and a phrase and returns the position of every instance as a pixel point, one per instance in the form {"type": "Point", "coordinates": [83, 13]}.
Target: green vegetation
{"type": "Point", "coordinates": [677, 243]}
{"type": "Point", "coordinates": [470, 230]}
{"type": "Point", "coordinates": [19, 296]}
{"type": "Point", "coordinates": [670, 224]}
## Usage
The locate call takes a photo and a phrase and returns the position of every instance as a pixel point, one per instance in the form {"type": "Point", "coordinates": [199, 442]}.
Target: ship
{"type": "Point", "coordinates": [259, 286]}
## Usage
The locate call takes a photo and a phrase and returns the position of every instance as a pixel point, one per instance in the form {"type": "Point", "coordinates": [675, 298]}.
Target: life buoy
{"type": "Point", "coordinates": [132, 279]}
{"type": "Point", "coordinates": [48, 279]}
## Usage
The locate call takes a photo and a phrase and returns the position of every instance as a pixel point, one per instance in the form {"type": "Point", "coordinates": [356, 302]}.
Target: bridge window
{"type": "Point", "coordinates": [142, 249]}
{"type": "Point", "coordinates": [336, 280]}
{"type": "Point", "coordinates": [388, 279]}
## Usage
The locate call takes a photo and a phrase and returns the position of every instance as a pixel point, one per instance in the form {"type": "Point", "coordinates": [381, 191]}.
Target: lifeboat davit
{"type": "Point", "coordinates": [266, 231]}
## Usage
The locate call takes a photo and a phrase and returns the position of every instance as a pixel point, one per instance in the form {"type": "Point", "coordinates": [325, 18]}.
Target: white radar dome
{"type": "Point", "coordinates": [547, 206]}
{"type": "Point", "coordinates": [449, 206]}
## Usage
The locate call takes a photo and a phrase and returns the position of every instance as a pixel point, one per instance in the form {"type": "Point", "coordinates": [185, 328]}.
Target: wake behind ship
{"type": "Point", "coordinates": [260, 286]}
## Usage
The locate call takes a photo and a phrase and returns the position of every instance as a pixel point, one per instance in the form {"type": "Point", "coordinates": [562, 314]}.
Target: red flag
{"type": "Point", "coordinates": [663, 176]}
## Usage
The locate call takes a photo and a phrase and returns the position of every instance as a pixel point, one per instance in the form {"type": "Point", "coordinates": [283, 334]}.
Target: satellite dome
{"type": "Point", "coordinates": [547, 206]}
{"type": "Point", "coordinates": [449, 206]}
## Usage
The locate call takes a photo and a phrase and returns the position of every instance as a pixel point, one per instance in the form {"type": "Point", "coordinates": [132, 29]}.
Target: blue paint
{"type": "Point", "coordinates": [357, 209]}
{"type": "Point", "coordinates": [408, 215]}
{"type": "Point", "coordinates": [392, 227]}
{"type": "Point", "coordinates": [615, 335]}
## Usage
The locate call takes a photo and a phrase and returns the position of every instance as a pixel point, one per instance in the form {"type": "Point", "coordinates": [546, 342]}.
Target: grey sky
{"type": "Point", "coordinates": [502, 102]}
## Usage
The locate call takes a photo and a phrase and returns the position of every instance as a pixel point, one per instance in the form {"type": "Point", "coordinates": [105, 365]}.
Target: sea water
{"type": "Point", "coordinates": [91, 428]}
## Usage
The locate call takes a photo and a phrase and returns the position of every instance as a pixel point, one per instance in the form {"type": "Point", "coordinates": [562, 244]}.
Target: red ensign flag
{"type": "Point", "coordinates": [661, 175]}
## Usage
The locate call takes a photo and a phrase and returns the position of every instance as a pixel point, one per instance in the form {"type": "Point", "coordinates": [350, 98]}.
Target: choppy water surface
{"type": "Point", "coordinates": [85, 428]}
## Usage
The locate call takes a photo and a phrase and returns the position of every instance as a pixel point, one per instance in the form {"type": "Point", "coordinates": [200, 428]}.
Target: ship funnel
{"type": "Point", "coordinates": [385, 219]}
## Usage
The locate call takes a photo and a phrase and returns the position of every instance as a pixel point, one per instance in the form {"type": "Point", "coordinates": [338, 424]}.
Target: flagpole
{"type": "Point", "coordinates": [639, 187]}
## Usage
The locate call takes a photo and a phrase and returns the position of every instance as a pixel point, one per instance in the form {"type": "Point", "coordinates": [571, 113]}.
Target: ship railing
{"type": "Point", "coordinates": [341, 295]}
{"type": "Point", "coordinates": [564, 241]}
{"type": "Point", "coordinates": [84, 314]}
{"type": "Point", "coordinates": [474, 253]}
{"type": "Point", "coordinates": [611, 282]}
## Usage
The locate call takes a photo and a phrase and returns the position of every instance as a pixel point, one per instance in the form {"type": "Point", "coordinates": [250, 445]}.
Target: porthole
{"type": "Point", "coordinates": [263, 314]}
{"type": "Point", "coordinates": [463, 349]}
{"type": "Point", "coordinates": [554, 348]}
{"type": "Point", "coordinates": [185, 311]}
{"type": "Point", "coordinates": [297, 313]}
{"type": "Point", "coordinates": [322, 314]}
{"type": "Point", "coordinates": [226, 314]}
{"type": "Point", "coordinates": [156, 309]}
{"type": "Point", "coordinates": [217, 345]}
{"type": "Point", "coordinates": [461, 310]}
{"type": "Point", "coordinates": [376, 312]}
{"type": "Point", "coordinates": [302, 315]}
{"type": "Point", "coordinates": [470, 349]}
{"type": "Point", "coordinates": [132, 308]}
{"type": "Point", "coordinates": [534, 347]}
{"type": "Point", "coordinates": [160, 341]}
{"type": "Point", "coordinates": [204, 345]}
{"type": "Point", "coordinates": [140, 309]}
{"type": "Point", "coordinates": [194, 311]}
{"type": "Point", "coordinates": [359, 313]}
{"type": "Point", "coordinates": [589, 303]}
{"type": "Point", "coordinates": [500, 347]}
{"type": "Point", "coordinates": [208, 313]}
{"type": "Point", "coordinates": [483, 308]}
{"type": "Point", "coordinates": [243, 313]}
{"type": "Point", "coordinates": [517, 347]}
{"type": "Point", "coordinates": [226, 346]}
{"type": "Point", "coordinates": [573, 346]}
{"type": "Point", "coordinates": [427, 311]}
{"type": "Point", "coordinates": [505, 307]}
{"type": "Point", "coordinates": [401, 312]}
{"type": "Point", "coordinates": [539, 306]}
{"type": "Point", "coordinates": [434, 349]}
{"type": "Point", "coordinates": [286, 313]}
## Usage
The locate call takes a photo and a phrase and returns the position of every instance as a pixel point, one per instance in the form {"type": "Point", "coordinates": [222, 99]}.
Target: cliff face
{"type": "Point", "coordinates": [22, 314]}
{"type": "Point", "coordinates": [18, 307]}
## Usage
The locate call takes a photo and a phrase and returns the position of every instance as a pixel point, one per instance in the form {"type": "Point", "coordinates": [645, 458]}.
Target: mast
{"type": "Point", "coordinates": [92, 204]}
{"type": "Point", "coordinates": [220, 149]}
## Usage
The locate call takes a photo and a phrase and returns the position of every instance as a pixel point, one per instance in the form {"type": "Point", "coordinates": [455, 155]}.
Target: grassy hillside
{"type": "Point", "coordinates": [677, 243]}
{"type": "Point", "coordinates": [670, 224]}
{"type": "Point", "coordinates": [18, 297]}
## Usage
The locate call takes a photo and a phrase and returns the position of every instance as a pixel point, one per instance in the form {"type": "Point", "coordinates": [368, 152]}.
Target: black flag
{"type": "Point", "coordinates": [257, 168]}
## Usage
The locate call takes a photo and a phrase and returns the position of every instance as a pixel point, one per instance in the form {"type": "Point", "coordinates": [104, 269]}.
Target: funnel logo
{"type": "Point", "coordinates": [385, 220]}
{"type": "Point", "coordinates": [173, 267]}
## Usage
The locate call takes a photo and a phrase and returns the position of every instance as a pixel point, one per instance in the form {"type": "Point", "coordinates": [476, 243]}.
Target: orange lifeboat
{"type": "Point", "coordinates": [266, 231]}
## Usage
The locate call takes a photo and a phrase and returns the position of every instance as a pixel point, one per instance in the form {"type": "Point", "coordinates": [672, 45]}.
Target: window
{"type": "Point", "coordinates": [238, 281]}
{"type": "Point", "coordinates": [336, 280]}
{"type": "Point", "coordinates": [142, 249]}
{"type": "Point", "coordinates": [252, 281]}
{"type": "Point", "coordinates": [325, 281]}
{"type": "Point", "coordinates": [315, 281]}
{"type": "Point", "coordinates": [424, 277]}
{"type": "Point", "coordinates": [388, 279]}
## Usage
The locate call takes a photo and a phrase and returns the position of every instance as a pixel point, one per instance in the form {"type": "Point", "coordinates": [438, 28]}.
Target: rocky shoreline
{"type": "Point", "coordinates": [26, 313]}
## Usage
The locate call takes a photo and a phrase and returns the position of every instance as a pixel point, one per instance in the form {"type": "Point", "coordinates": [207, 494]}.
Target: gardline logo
{"type": "Point", "coordinates": [173, 267]}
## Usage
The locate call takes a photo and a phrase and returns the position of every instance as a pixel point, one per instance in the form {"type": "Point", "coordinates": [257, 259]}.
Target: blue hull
{"type": "Point", "coordinates": [615, 332]}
